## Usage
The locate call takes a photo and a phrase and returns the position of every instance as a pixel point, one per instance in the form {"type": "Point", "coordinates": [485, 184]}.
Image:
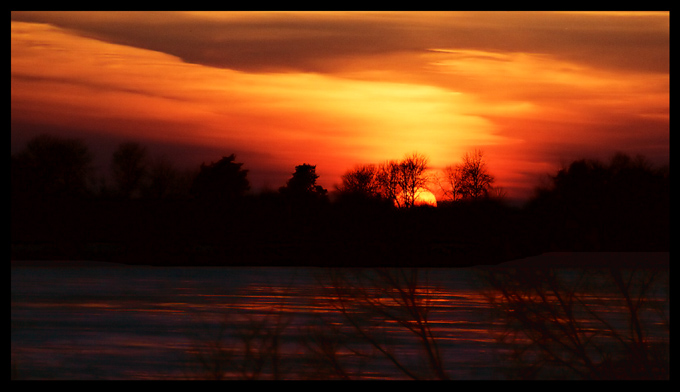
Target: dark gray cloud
{"type": "Point", "coordinates": [289, 42]}
{"type": "Point", "coordinates": [261, 44]}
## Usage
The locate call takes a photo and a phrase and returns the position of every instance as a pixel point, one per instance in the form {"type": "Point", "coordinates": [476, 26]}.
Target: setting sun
{"type": "Point", "coordinates": [426, 198]}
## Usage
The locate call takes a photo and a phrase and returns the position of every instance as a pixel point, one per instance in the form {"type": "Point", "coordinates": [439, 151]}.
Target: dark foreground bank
{"type": "Point", "coordinates": [262, 232]}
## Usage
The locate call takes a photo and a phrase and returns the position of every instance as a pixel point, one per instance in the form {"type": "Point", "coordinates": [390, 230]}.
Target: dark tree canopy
{"type": "Point", "coordinates": [302, 185]}
{"type": "Point", "coordinates": [52, 167]}
{"type": "Point", "coordinates": [624, 204]}
{"type": "Point", "coordinates": [632, 182]}
{"type": "Point", "coordinates": [223, 180]}
{"type": "Point", "coordinates": [129, 166]}
{"type": "Point", "coordinates": [205, 213]}
{"type": "Point", "coordinates": [166, 181]}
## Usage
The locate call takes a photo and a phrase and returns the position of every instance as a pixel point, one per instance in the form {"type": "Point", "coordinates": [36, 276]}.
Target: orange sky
{"type": "Point", "coordinates": [532, 90]}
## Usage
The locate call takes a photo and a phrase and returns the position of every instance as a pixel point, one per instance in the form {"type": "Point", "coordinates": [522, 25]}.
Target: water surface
{"type": "Point", "coordinates": [108, 321]}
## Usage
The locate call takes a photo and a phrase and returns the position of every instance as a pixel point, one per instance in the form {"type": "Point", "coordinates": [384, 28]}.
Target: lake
{"type": "Point", "coordinates": [93, 320]}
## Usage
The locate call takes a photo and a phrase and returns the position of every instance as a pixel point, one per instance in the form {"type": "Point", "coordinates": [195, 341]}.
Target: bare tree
{"type": "Point", "coordinates": [362, 180]}
{"type": "Point", "coordinates": [475, 180]}
{"type": "Point", "coordinates": [497, 192]}
{"type": "Point", "coordinates": [388, 180]}
{"type": "Point", "coordinates": [414, 178]}
{"type": "Point", "coordinates": [403, 181]}
{"type": "Point", "coordinates": [450, 182]}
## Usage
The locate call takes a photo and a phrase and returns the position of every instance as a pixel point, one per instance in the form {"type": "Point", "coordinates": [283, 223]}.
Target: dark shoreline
{"type": "Point", "coordinates": [269, 230]}
{"type": "Point", "coordinates": [657, 260]}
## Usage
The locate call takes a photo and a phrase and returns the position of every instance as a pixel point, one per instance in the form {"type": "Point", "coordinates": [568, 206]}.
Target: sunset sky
{"type": "Point", "coordinates": [533, 90]}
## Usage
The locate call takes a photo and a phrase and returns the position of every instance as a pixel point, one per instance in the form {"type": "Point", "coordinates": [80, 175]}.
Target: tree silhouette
{"type": "Point", "coordinates": [52, 167]}
{"type": "Point", "coordinates": [361, 182]}
{"type": "Point", "coordinates": [621, 205]}
{"type": "Point", "coordinates": [450, 182]}
{"type": "Point", "coordinates": [129, 167]}
{"type": "Point", "coordinates": [220, 181]}
{"type": "Point", "coordinates": [413, 177]}
{"type": "Point", "coordinates": [403, 181]}
{"type": "Point", "coordinates": [302, 185]}
{"type": "Point", "coordinates": [166, 181]}
{"type": "Point", "coordinates": [475, 181]}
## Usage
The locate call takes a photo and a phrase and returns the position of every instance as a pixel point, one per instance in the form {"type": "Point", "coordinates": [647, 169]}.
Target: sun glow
{"type": "Point", "coordinates": [426, 198]}
{"type": "Point", "coordinates": [313, 92]}
{"type": "Point", "coordinates": [331, 121]}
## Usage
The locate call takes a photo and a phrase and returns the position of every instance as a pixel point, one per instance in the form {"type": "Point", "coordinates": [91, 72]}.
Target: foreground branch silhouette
{"type": "Point", "coordinates": [556, 331]}
{"type": "Point", "coordinates": [369, 300]}
{"type": "Point", "coordinates": [242, 346]}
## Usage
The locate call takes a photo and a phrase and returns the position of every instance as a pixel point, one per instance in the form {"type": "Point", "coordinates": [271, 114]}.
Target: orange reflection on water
{"type": "Point", "coordinates": [301, 325]}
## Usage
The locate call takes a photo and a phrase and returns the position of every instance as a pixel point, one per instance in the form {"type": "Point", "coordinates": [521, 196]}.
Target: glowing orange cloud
{"type": "Point", "coordinates": [299, 117]}
{"type": "Point", "coordinates": [339, 89]}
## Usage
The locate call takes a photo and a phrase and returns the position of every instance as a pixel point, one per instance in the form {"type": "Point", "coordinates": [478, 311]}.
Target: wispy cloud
{"type": "Point", "coordinates": [338, 89]}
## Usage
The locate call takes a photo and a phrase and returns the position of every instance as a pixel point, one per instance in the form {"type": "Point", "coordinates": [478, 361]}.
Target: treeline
{"type": "Point", "coordinates": [57, 168]}
{"type": "Point", "coordinates": [154, 213]}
